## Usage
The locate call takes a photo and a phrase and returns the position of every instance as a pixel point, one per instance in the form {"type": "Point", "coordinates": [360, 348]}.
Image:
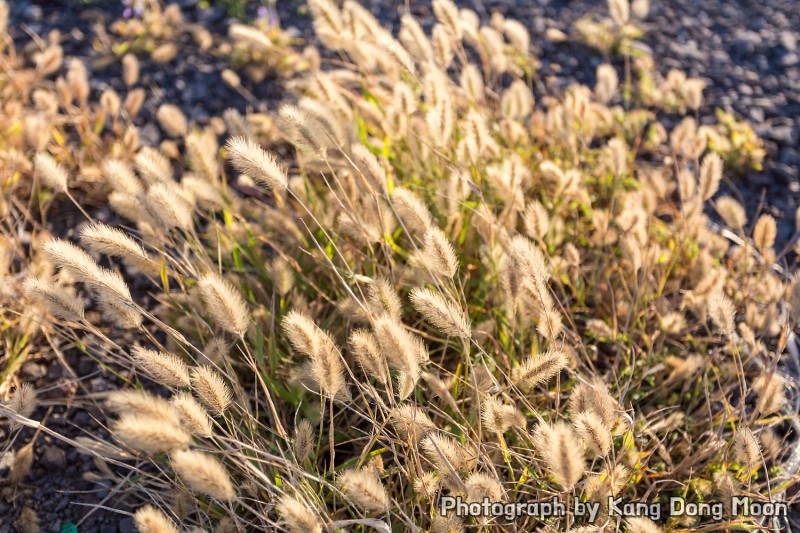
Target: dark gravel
{"type": "Point", "coordinates": [747, 50]}
{"type": "Point", "coordinates": [55, 488]}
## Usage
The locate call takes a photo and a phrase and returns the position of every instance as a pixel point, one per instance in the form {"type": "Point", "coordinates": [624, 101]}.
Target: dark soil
{"type": "Point", "coordinates": [55, 488]}
{"type": "Point", "coordinates": [746, 50]}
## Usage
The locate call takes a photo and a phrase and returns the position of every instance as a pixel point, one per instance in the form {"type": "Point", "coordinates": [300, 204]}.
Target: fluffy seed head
{"type": "Point", "coordinates": [78, 80]}
{"type": "Point", "coordinates": [414, 39]}
{"type": "Point", "coordinates": [517, 34]}
{"type": "Point", "coordinates": [447, 524]}
{"type": "Point", "coordinates": [124, 402]}
{"type": "Point", "coordinates": [225, 303]}
{"type": "Point", "coordinates": [172, 120]}
{"type": "Point", "coordinates": [103, 239]}
{"type": "Point", "coordinates": [594, 398]}
{"type": "Point", "coordinates": [327, 371]}
{"type": "Point", "coordinates": [537, 221]}
{"type": "Point", "coordinates": [192, 415]}
{"type": "Point", "coordinates": [530, 261]}
{"type": "Point", "coordinates": [444, 315]}
{"type": "Point", "coordinates": [203, 473]}
{"type": "Point", "coordinates": [640, 8]}
{"type": "Point", "coordinates": [410, 422]}
{"type": "Point", "coordinates": [305, 131]}
{"type": "Point", "coordinates": [710, 175]}
{"type": "Point", "coordinates": [517, 101]}
{"type": "Point", "coordinates": [303, 440]}
{"type": "Point", "coordinates": [28, 520]}
{"type": "Point", "coordinates": [438, 254]}
{"type": "Point", "coordinates": [731, 212]}
{"type": "Point", "coordinates": [210, 386]}
{"type": "Point", "coordinates": [121, 177]}
{"type": "Point", "coordinates": [412, 212]}
{"type": "Point", "coordinates": [148, 519]}
{"type": "Point", "coordinates": [21, 464]}
{"type": "Point", "coordinates": [771, 391]}
{"type": "Point", "coordinates": [150, 435]}
{"type": "Point", "coordinates": [540, 368]}
{"type": "Point", "coordinates": [364, 489]}
{"type": "Point", "coordinates": [427, 485]}
{"type": "Point", "coordinates": [500, 417]}
{"type": "Point", "coordinates": [249, 158]}
{"type": "Point", "coordinates": [204, 192]}
{"type": "Point", "coordinates": [722, 312]}
{"type": "Point", "coordinates": [153, 166]}
{"type": "Point", "coordinates": [282, 275]}
{"type": "Point", "coordinates": [166, 207]}
{"type": "Point", "coordinates": [471, 81]}
{"type": "Point", "coordinates": [52, 173]}
{"type": "Point", "coordinates": [134, 101]}
{"type": "Point", "coordinates": [395, 51]}
{"type": "Point", "coordinates": [250, 37]}
{"type": "Point", "coordinates": [481, 486]}
{"type": "Point", "coordinates": [302, 332]}
{"type": "Point", "coordinates": [82, 267]}
{"type": "Point", "coordinates": [746, 448]}
{"type": "Point", "coordinates": [447, 13]}
{"type": "Point", "coordinates": [562, 451]}
{"type": "Point", "coordinates": [368, 354]}
{"type": "Point", "coordinates": [165, 368]}
{"type": "Point", "coordinates": [117, 310]}
{"type": "Point", "coordinates": [607, 82]}
{"type": "Point", "coordinates": [325, 366]}
{"type": "Point", "coordinates": [235, 123]}
{"type": "Point", "coordinates": [369, 167]}
{"type": "Point", "coordinates": [399, 347]}
{"type": "Point", "coordinates": [60, 301]}
{"type": "Point", "coordinates": [164, 53]}
{"type": "Point", "coordinates": [130, 69]}
{"type": "Point", "coordinates": [446, 453]}
{"type": "Point", "coordinates": [298, 516]}
{"type": "Point", "coordinates": [442, 45]}
{"type": "Point", "coordinates": [594, 432]}
{"type": "Point", "coordinates": [383, 299]}
{"type": "Point", "coordinates": [328, 23]}
{"type": "Point", "coordinates": [619, 10]}
{"type": "Point", "coordinates": [641, 524]}
{"type": "Point", "coordinates": [764, 233]}
{"type": "Point", "coordinates": [23, 403]}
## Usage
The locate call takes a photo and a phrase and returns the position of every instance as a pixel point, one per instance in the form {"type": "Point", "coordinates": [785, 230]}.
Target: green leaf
{"type": "Point", "coordinates": [69, 527]}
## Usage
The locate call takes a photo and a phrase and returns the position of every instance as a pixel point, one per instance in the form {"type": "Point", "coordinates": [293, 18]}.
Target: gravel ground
{"type": "Point", "coordinates": [746, 50]}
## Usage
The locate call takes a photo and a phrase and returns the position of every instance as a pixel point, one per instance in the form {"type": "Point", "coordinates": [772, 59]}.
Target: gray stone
{"type": "Point", "coordinates": [126, 525]}
{"type": "Point", "coordinates": [756, 114]}
{"type": "Point", "coordinates": [790, 60]}
{"type": "Point", "coordinates": [788, 40]}
{"type": "Point", "coordinates": [33, 371]}
{"type": "Point", "coordinates": [789, 156]}
{"type": "Point", "coordinates": [53, 458]}
{"type": "Point", "coordinates": [781, 134]}
{"type": "Point", "coordinates": [33, 12]}
{"type": "Point", "coordinates": [785, 173]}
{"type": "Point", "coordinates": [746, 43]}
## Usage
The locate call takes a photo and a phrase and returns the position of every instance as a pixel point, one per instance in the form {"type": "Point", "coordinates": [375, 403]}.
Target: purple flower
{"type": "Point", "coordinates": [133, 8]}
{"type": "Point", "coordinates": [266, 16]}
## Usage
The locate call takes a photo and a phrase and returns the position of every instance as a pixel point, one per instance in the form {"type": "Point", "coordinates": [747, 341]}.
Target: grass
{"type": "Point", "coordinates": [447, 287]}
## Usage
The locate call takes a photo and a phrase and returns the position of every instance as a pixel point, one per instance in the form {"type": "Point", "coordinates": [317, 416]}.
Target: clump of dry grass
{"type": "Point", "coordinates": [450, 289]}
